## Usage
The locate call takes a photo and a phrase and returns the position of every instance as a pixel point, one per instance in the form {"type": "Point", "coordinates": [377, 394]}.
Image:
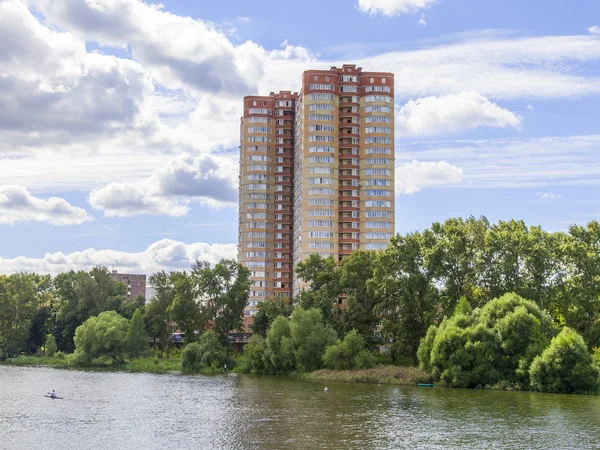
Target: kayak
{"type": "Point", "coordinates": [49, 396]}
{"type": "Point", "coordinates": [425, 385]}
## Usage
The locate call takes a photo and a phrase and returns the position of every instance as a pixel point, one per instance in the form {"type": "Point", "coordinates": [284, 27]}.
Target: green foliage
{"type": "Point", "coordinates": [405, 291]}
{"type": "Point", "coordinates": [279, 354]}
{"type": "Point", "coordinates": [310, 337]}
{"type": "Point", "coordinates": [50, 346]}
{"type": "Point", "coordinates": [359, 312]}
{"type": "Point", "coordinates": [323, 279]}
{"type": "Point", "coordinates": [137, 337]}
{"type": "Point", "coordinates": [223, 294]}
{"type": "Point", "coordinates": [488, 346]}
{"type": "Point", "coordinates": [18, 304]}
{"type": "Point", "coordinates": [81, 295]}
{"type": "Point", "coordinates": [254, 352]}
{"type": "Point", "coordinates": [348, 354]}
{"type": "Point", "coordinates": [424, 352]}
{"type": "Point", "coordinates": [463, 307]}
{"type": "Point", "coordinates": [268, 311]}
{"type": "Point", "coordinates": [565, 366]}
{"type": "Point", "coordinates": [207, 353]}
{"type": "Point", "coordinates": [104, 335]}
{"type": "Point", "coordinates": [129, 307]}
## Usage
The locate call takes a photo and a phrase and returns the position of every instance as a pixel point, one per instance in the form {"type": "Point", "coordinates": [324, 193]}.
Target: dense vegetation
{"type": "Point", "coordinates": [471, 303]}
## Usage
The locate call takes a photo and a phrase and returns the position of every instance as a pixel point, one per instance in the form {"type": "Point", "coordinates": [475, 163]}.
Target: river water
{"type": "Point", "coordinates": [113, 410]}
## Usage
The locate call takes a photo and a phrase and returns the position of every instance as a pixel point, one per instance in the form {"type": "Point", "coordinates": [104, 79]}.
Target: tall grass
{"type": "Point", "coordinates": [381, 374]}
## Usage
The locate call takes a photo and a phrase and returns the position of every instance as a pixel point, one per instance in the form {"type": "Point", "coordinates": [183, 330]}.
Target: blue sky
{"type": "Point", "coordinates": [118, 141]}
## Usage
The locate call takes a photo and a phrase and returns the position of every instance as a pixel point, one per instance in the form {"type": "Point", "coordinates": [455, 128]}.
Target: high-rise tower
{"type": "Point", "coordinates": [316, 175]}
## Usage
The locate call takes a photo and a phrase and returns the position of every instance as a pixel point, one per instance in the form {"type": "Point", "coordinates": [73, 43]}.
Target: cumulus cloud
{"type": "Point", "coordinates": [422, 20]}
{"type": "Point", "coordinates": [50, 84]}
{"type": "Point", "coordinates": [451, 113]}
{"type": "Point", "coordinates": [393, 7]}
{"type": "Point", "coordinates": [414, 175]}
{"type": "Point", "coordinates": [180, 51]}
{"type": "Point", "coordinates": [211, 180]}
{"type": "Point", "coordinates": [166, 254]}
{"type": "Point", "coordinates": [18, 205]}
{"type": "Point", "coordinates": [594, 30]}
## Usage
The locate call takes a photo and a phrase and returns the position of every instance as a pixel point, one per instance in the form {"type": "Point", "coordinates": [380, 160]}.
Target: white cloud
{"type": "Point", "coordinates": [594, 30]}
{"type": "Point", "coordinates": [414, 175]}
{"type": "Point", "coordinates": [18, 205]}
{"type": "Point", "coordinates": [422, 20]}
{"type": "Point", "coordinates": [515, 163]}
{"type": "Point", "coordinates": [549, 195]}
{"type": "Point", "coordinates": [180, 51]}
{"type": "Point", "coordinates": [211, 180]}
{"type": "Point", "coordinates": [244, 19]}
{"type": "Point", "coordinates": [451, 113]}
{"type": "Point", "coordinates": [530, 108]}
{"type": "Point", "coordinates": [393, 7]}
{"type": "Point", "coordinates": [166, 254]}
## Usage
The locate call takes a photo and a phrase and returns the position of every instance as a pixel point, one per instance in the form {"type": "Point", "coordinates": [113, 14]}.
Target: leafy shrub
{"type": "Point", "coordinates": [486, 346]}
{"type": "Point", "coordinates": [103, 335]}
{"type": "Point", "coordinates": [364, 360]}
{"type": "Point", "coordinates": [59, 355]}
{"type": "Point", "coordinates": [348, 354]}
{"type": "Point", "coordinates": [565, 366]}
{"type": "Point", "coordinates": [310, 337]}
{"type": "Point", "coordinates": [254, 352]}
{"type": "Point", "coordinates": [50, 345]}
{"type": "Point", "coordinates": [207, 353]}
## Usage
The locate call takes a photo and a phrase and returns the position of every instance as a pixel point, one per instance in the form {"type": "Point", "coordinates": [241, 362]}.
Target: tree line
{"type": "Point", "coordinates": [36, 310]}
{"type": "Point", "coordinates": [420, 278]}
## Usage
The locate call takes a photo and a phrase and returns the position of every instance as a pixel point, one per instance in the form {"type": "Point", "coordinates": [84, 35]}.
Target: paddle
{"type": "Point", "coordinates": [50, 396]}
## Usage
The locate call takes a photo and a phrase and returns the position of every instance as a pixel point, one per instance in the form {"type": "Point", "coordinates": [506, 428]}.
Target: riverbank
{"type": "Point", "coordinates": [405, 376]}
{"type": "Point", "coordinates": [146, 364]}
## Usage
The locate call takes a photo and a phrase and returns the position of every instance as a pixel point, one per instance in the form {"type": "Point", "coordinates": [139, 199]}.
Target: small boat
{"type": "Point", "coordinates": [49, 396]}
{"type": "Point", "coordinates": [425, 385]}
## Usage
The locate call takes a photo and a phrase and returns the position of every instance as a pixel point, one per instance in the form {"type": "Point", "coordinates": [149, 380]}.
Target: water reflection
{"type": "Point", "coordinates": [144, 411]}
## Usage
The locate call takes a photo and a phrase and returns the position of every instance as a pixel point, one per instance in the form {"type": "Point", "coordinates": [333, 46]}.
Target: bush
{"type": "Point", "coordinates": [207, 353]}
{"type": "Point", "coordinates": [310, 337]}
{"type": "Point", "coordinates": [279, 354]}
{"type": "Point", "coordinates": [59, 355]}
{"type": "Point", "coordinates": [348, 354]}
{"type": "Point", "coordinates": [50, 345]}
{"type": "Point", "coordinates": [103, 335]}
{"type": "Point", "coordinates": [365, 360]}
{"type": "Point", "coordinates": [565, 366]}
{"type": "Point", "coordinates": [255, 353]}
{"type": "Point", "coordinates": [487, 346]}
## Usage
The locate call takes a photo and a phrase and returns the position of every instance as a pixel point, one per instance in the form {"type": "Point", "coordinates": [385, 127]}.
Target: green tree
{"type": "Point", "coordinates": [359, 311]}
{"type": "Point", "coordinates": [223, 294]}
{"type": "Point", "coordinates": [185, 310]}
{"type": "Point", "coordinates": [324, 289]}
{"type": "Point", "coordinates": [405, 291]}
{"type": "Point", "coordinates": [50, 345]}
{"type": "Point", "coordinates": [128, 307]}
{"type": "Point", "coordinates": [18, 303]}
{"type": "Point", "coordinates": [310, 337]}
{"type": "Point", "coordinates": [207, 353]}
{"type": "Point", "coordinates": [496, 343]}
{"type": "Point", "coordinates": [565, 366]}
{"type": "Point", "coordinates": [452, 254]}
{"type": "Point", "coordinates": [268, 311]}
{"type": "Point", "coordinates": [158, 316]}
{"type": "Point", "coordinates": [279, 354]}
{"type": "Point", "coordinates": [137, 337]}
{"type": "Point", "coordinates": [255, 353]}
{"type": "Point", "coordinates": [349, 353]}
{"type": "Point", "coordinates": [104, 335]}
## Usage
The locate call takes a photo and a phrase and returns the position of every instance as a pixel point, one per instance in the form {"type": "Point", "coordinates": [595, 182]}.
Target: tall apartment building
{"type": "Point", "coordinates": [316, 175]}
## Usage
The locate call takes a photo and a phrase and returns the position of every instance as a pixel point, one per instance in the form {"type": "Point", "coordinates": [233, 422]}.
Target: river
{"type": "Point", "coordinates": [115, 410]}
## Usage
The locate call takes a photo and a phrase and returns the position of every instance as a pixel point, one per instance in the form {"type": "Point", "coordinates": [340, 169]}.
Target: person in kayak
{"type": "Point", "coordinates": [53, 395]}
